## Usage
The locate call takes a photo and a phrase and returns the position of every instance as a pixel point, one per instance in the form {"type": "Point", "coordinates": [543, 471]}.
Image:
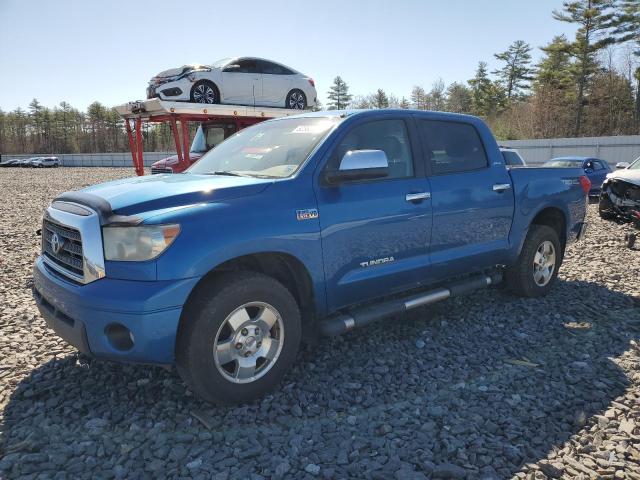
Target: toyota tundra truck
{"type": "Point", "coordinates": [292, 229]}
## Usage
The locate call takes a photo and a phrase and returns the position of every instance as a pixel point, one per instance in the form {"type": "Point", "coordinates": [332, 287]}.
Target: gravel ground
{"type": "Point", "coordinates": [487, 386]}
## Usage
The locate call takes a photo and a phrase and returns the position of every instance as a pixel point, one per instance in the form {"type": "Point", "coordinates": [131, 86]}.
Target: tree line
{"type": "Point", "coordinates": [585, 86]}
{"type": "Point", "coordinates": [588, 85]}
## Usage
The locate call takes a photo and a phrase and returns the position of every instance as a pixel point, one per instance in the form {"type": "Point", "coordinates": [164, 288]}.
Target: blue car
{"type": "Point", "coordinates": [596, 169]}
{"type": "Point", "coordinates": [297, 227]}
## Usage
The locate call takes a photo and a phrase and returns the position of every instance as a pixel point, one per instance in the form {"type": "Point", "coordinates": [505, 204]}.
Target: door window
{"type": "Point", "coordinates": [390, 136]}
{"type": "Point", "coordinates": [245, 66]}
{"type": "Point", "coordinates": [597, 165]}
{"type": "Point", "coordinates": [452, 147]}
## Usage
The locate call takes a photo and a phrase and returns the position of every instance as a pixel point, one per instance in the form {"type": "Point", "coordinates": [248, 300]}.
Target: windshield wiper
{"type": "Point", "coordinates": [226, 172]}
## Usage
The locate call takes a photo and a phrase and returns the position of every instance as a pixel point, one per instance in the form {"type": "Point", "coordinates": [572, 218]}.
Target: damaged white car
{"type": "Point", "coordinates": [620, 197]}
{"type": "Point", "coordinates": [238, 81]}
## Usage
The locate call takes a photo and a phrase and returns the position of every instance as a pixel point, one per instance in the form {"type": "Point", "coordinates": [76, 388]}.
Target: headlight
{"type": "Point", "coordinates": [136, 244]}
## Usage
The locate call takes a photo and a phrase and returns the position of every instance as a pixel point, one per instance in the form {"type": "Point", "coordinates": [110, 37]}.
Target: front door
{"type": "Point", "coordinates": [375, 234]}
{"type": "Point", "coordinates": [242, 83]}
{"type": "Point", "coordinates": [472, 199]}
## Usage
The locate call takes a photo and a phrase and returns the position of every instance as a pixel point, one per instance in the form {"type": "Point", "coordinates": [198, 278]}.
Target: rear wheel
{"type": "Point", "coordinates": [537, 266]}
{"type": "Point", "coordinates": [237, 343]}
{"type": "Point", "coordinates": [296, 100]}
{"type": "Point", "coordinates": [204, 92]}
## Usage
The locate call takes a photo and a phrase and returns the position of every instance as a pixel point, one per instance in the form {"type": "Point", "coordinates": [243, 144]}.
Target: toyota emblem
{"type": "Point", "coordinates": [56, 243]}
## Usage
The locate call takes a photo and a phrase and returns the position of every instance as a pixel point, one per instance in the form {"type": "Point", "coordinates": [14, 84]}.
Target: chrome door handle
{"type": "Point", "coordinates": [501, 187]}
{"type": "Point", "coordinates": [414, 197]}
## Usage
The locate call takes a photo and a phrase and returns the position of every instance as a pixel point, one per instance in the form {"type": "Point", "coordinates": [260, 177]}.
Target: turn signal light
{"type": "Point", "coordinates": [585, 183]}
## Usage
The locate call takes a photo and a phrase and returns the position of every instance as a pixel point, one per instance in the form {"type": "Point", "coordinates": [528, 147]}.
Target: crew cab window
{"type": "Point", "coordinates": [452, 147]}
{"type": "Point", "coordinates": [273, 69]}
{"type": "Point", "coordinates": [390, 136]}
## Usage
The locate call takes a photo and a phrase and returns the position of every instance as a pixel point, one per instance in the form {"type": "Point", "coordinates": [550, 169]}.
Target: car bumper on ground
{"type": "Point", "coordinates": [119, 320]}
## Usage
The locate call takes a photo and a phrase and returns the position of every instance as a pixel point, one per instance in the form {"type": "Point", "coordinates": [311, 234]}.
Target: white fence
{"type": "Point", "coordinates": [611, 149]}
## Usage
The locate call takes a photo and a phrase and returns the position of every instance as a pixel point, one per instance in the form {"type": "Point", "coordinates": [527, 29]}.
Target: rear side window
{"type": "Point", "coordinates": [452, 147]}
{"type": "Point", "coordinates": [273, 69]}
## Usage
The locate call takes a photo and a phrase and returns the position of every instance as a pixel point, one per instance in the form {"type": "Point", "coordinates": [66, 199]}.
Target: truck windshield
{"type": "Point", "coordinates": [635, 165]}
{"type": "Point", "coordinates": [274, 149]}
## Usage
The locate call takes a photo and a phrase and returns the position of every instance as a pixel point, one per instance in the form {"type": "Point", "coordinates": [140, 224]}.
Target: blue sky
{"type": "Point", "coordinates": [86, 50]}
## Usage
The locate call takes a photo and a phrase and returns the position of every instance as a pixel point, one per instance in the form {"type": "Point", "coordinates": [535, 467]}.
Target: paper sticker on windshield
{"type": "Point", "coordinates": [315, 128]}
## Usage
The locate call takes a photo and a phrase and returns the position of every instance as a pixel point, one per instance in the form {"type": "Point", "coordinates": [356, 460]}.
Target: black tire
{"type": "Point", "coordinates": [205, 92]}
{"type": "Point", "coordinates": [203, 319]}
{"type": "Point", "coordinates": [296, 100]}
{"type": "Point", "coordinates": [605, 207]}
{"type": "Point", "coordinates": [520, 276]}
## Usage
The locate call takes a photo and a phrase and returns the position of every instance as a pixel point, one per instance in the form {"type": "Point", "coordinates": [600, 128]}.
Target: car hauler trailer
{"type": "Point", "coordinates": [179, 114]}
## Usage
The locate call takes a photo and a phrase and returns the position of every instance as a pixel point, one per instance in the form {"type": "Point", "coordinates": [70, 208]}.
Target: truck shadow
{"type": "Point", "coordinates": [487, 383]}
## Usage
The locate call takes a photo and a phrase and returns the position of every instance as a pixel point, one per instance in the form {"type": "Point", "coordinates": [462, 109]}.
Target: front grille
{"type": "Point", "coordinates": [155, 170]}
{"type": "Point", "coordinates": [69, 254]}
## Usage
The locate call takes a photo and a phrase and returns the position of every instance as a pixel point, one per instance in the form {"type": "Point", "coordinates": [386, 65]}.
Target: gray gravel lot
{"type": "Point", "coordinates": [487, 386]}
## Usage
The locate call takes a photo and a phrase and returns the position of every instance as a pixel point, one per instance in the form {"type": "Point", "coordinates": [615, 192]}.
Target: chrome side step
{"type": "Point", "coordinates": [360, 317]}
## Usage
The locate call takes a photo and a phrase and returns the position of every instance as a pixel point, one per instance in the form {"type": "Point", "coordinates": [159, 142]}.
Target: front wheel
{"type": "Point", "coordinates": [238, 337]}
{"type": "Point", "coordinates": [605, 207]}
{"type": "Point", "coordinates": [204, 92]}
{"type": "Point", "coordinates": [537, 266]}
{"type": "Point", "coordinates": [296, 100]}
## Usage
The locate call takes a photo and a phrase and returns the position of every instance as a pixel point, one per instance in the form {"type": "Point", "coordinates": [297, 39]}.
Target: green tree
{"type": "Point", "coordinates": [404, 104]}
{"type": "Point", "coordinates": [338, 95]}
{"type": "Point", "coordinates": [594, 19]}
{"type": "Point", "coordinates": [380, 99]}
{"type": "Point", "coordinates": [458, 98]}
{"type": "Point", "coordinates": [419, 98]}
{"type": "Point", "coordinates": [553, 91]}
{"type": "Point", "coordinates": [627, 30]}
{"type": "Point", "coordinates": [487, 96]}
{"type": "Point", "coordinates": [516, 73]}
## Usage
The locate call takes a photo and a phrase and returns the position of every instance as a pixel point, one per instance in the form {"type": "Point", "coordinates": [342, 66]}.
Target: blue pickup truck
{"type": "Point", "coordinates": [292, 229]}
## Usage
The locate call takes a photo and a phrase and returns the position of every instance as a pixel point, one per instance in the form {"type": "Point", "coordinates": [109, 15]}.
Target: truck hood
{"type": "Point", "coordinates": [628, 175]}
{"type": "Point", "coordinates": [131, 196]}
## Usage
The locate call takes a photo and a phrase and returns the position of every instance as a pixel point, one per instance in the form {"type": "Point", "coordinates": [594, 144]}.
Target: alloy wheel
{"type": "Point", "coordinates": [248, 342]}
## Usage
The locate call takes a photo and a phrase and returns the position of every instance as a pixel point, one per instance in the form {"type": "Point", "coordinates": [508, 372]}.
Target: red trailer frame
{"type": "Point", "coordinates": [178, 115]}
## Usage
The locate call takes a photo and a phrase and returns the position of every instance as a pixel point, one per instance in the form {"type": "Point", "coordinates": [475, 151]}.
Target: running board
{"type": "Point", "coordinates": [360, 317]}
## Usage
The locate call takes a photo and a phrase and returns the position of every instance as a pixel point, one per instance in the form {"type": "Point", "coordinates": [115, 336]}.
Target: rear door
{"type": "Point", "coordinates": [242, 84]}
{"type": "Point", "coordinates": [276, 83]}
{"type": "Point", "coordinates": [472, 198]}
{"type": "Point", "coordinates": [375, 238]}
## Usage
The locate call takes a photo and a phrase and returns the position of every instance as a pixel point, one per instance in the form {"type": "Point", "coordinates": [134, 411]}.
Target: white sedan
{"type": "Point", "coordinates": [238, 81]}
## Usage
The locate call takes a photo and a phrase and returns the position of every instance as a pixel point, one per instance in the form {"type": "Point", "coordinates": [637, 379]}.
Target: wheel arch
{"type": "Point", "coordinates": [555, 218]}
{"type": "Point", "coordinates": [283, 267]}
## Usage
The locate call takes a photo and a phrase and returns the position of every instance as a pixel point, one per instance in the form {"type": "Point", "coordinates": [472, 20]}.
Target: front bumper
{"type": "Point", "coordinates": [84, 314]}
{"type": "Point", "coordinates": [176, 90]}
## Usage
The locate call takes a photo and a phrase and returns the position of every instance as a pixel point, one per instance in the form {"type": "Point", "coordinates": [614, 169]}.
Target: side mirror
{"type": "Point", "coordinates": [588, 170]}
{"type": "Point", "coordinates": [359, 165]}
{"type": "Point", "coordinates": [234, 67]}
{"type": "Point", "coordinates": [621, 165]}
